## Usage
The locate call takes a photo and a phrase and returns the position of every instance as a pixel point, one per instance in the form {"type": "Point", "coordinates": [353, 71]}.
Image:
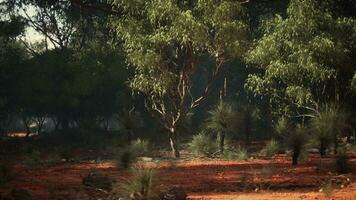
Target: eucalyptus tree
{"type": "Point", "coordinates": [166, 41]}
{"type": "Point", "coordinates": [306, 58]}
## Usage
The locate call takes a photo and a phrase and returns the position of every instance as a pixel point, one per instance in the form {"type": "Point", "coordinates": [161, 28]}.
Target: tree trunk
{"type": "Point", "coordinates": [174, 143]}
{"type": "Point", "coordinates": [221, 142]}
{"type": "Point", "coordinates": [336, 145]}
{"type": "Point", "coordinates": [129, 136]}
{"type": "Point", "coordinates": [295, 157]}
{"type": "Point", "coordinates": [322, 149]}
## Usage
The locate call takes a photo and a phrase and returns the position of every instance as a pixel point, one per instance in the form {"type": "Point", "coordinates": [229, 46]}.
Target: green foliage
{"type": "Point", "coordinates": [302, 54]}
{"type": "Point", "coordinates": [6, 174]}
{"type": "Point", "coordinates": [140, 147]}
{"type": "Point", "coordinates": [296, 141]}
{"type": "Point", "coordinates": [202, 145]}
{"type": "Point", "coordinates": [125, 158]}
{"type": "Point", "coordinates": [128, 155]}
{"type": "Point", "coordinates": [142, 184]}
{"type": "Point", "coordinates": [282, 128]}
{"type": "Point", "coordinates": [222, 118]}
{"type": "Point", "coordinates": [270, 149]}
{"type": "Point", "coordinates": [328, 125]}
{"type": "Point", "coordinates": [236, 153]}
{"type": "Point", "coordinates": [165, 42]}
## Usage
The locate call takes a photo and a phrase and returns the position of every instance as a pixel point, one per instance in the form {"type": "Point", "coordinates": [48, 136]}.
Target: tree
{"type": "Point", "coordinates": [12, 60]}
{"type": "Point", "coordinates": [222, 120]}
{"type": "Point", "coordinates": [166, 42]}
{"type": "Point", "coordinates": [307, 58]}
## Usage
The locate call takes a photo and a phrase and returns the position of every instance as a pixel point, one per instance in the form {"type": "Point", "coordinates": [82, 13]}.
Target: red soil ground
{"type": "Point", "coordinates": [203, 179]}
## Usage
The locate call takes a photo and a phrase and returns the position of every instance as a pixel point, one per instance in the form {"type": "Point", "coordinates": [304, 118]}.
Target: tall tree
{"type": "Point", "coordinates": [166, 41]}
{"type": "Point", "coordinates": [306, 58]}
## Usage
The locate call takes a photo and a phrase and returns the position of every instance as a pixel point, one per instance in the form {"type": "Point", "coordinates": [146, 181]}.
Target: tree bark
{"type": "Point", "coordinates": [322, 149]}
{"type": "Point", "coordinates": [336, 145]}
{"type": "Point", "coordinates": [221, 141]}
{"type": "Point", "coordinates": [129, 136]}
{"type": "Point", "coordinates": [174, 143]}
{"type": "Point", "coordinates": [295, 156]}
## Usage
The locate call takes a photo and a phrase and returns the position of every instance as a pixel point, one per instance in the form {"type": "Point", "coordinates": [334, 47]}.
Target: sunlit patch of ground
{"type": "Point", "coordinates": [20, 135]}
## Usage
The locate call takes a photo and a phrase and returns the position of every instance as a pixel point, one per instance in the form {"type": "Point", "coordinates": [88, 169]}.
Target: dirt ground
{"type": "Point", "coordinates": [269, 179]}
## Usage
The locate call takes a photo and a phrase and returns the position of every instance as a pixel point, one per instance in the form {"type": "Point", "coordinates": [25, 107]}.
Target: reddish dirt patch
{"type": "Point", "coordinates": [213, 179]}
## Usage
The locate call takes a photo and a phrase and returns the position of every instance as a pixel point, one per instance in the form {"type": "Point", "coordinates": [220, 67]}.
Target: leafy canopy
{"type": "Point", "coordinates": [162, 37]}
{"type": "Point", "coordinates": [302, 53]}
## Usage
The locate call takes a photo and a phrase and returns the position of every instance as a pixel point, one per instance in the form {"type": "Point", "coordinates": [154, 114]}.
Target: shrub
{"type": "Point", "coordinates": [140, 147]}
{"type": "Point", "coordinates": [296, 141]}
{"type": "Point", "coordinates": [202, 145]}
{"type": "Point", "coordinates": [125, 158]}
{"type": "Point", "coordinates": [222, 120]}
{"type": "Point", "coordinates": [6, 174]}
{"type": "Point", "coordinates": [129, 155]}
{"type": "Point", "coordinates": [270, 149]}
{"type": "Point", "coordinates": [238, 153]}
{"type": "Point", "coordinates": [141, 185]}
{"type": "Point", "coordinates": [282, 128]}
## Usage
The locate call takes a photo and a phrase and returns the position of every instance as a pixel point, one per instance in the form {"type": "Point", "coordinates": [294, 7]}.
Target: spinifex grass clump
{"type": "Point", "coordinates": [270, 149]}
{"type": "Point", "coordinates": [142, 184]}
{"type": "Point", "coordinates": [202, 145]}
{"type": "Point", "coordinates": [129, 154]}
{"type": "Point", "coordinates": [238, 153]}
{"type": "Point", "coordinates": [296, 142]}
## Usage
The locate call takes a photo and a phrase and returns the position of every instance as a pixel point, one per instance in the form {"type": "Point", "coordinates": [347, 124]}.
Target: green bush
{"type": "Point", "coordinates": [6, 174]}
{"type": "Point", "coordinates": [202, 145]}
{"type": "Point", "coordinates": [238, 153]}
{"type": "Point", "coordinates": [140, 185]}
{"type": "Point", "coordinates": [296, 142]}
{"type": "Point", "coordinates": [126, 158]}
{"type": "Point", "coordinates": [140, 147]}
{"type": "Point", "coordinates": [270, 149]}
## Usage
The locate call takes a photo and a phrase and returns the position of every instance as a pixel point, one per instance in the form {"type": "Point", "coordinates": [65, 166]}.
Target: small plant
{"type": "Point", "coordinates": [140, 147]}
{"type": "Point", "coordinates": [296, 141]}
{"type": "Point", "coordinates": [238, 153]}
{"type": "Point", "coordinates": [6, 174]}
{"type": "Point", "coordinates": [241, 153]}
{"type": "Point", "coordinates": [270, 149]}
{"type": "Point", "coordinates": [327, 189]}
{"type": "Point", "coordinates": [129, 155]}
{"type": "Point", "coordinates": [282, 129]}
{"type": "Point", "coordinates": [141, 185]}
{"type": "Point", "coordinates": [202, 145]}
{"type": "Point", "coordinates": [125, 158]}
{"type": "Point", "coordinates": [221, 120]}
{"type": "Point", "coordinates": [341, 162]}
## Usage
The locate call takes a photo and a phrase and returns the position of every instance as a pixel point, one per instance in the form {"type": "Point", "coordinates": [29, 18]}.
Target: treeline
{"type": "Point", "coordinates": [175, 59]}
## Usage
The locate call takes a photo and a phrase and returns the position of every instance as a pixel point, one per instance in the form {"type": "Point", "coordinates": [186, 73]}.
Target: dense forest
{"type": "Point", "coordinates": [207, 77]}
